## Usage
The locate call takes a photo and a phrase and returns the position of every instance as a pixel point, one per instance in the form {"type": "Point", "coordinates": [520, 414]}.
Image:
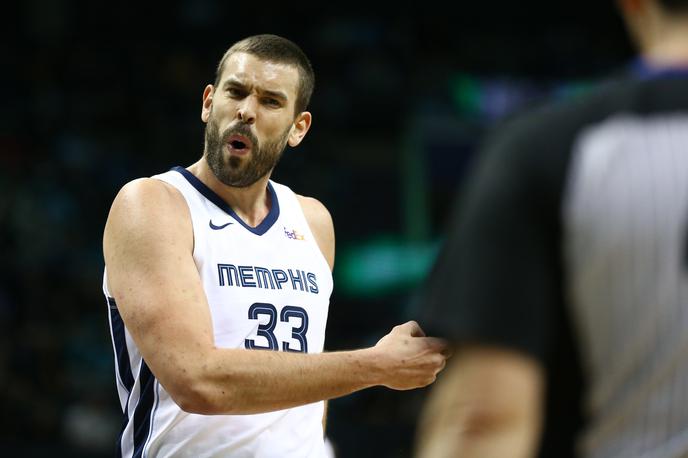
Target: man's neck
{"type": "Point", "coordinates": [251, 204]}
{"type": "Point", "coordinates": [668, 45]}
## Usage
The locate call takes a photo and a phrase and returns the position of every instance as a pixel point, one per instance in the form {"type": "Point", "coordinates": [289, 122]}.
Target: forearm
{"type": "Point", "coordinates": [488, 404]}
{"type": "Point", "coordinates": [234, 381]}
{"type": "Point", "coordinates": [513, 440]}
{"type": "Point", "coordinates": [472, 438]}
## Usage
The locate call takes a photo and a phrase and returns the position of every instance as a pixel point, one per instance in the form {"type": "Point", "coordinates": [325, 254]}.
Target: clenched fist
{"type": "Point", "coordinates": [408, 358]}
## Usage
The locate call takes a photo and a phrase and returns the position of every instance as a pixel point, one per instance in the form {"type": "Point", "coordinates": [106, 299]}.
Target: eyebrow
{"type": "Point", "coordinates": [236, 83]}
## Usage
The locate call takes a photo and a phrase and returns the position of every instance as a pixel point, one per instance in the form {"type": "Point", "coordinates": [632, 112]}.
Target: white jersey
{"type": "Point", "coordinates": [267, 288]}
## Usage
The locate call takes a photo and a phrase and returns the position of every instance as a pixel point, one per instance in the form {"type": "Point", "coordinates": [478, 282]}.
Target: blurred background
{"type": "Point", "coordinates": [96, 94]}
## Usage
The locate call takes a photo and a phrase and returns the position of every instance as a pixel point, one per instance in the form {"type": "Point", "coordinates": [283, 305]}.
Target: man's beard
{"type": "Point", "coordinates": [241, 172]}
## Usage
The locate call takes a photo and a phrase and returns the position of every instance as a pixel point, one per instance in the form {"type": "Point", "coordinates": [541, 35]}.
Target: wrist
{"type": "Point", "coordinates": [370, 362]}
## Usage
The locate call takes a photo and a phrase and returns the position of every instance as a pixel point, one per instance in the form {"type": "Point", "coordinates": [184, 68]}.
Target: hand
{"type": "Point", "coordinates": [409, 359]}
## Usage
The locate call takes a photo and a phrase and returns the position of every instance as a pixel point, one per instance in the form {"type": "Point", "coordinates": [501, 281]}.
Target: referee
{"type": "Point", "coordinates": [564, 279]}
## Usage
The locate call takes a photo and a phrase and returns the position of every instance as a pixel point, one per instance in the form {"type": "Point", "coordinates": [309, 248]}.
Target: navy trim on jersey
{"type": "Point", "coordinates": [143, 410]}
{"type": "Point", "coordinates": [155, 409]}
{"type": "Point", "coordinates": [209, 194]}
{"type": "Point", "coordinates": [123, 365]}
{"type": "Point", "coordinates": [120, 340]}
{"type": "Point", "coordinates": [643, 69]}
{"type": "Point", "coordinates": [147, 398]}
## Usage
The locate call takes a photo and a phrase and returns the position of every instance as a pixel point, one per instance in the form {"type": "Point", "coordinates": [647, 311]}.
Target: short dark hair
{"type": "Point", "coordinates": [674, 6]}
{"type": "Point", "coordinates": [279, 50]}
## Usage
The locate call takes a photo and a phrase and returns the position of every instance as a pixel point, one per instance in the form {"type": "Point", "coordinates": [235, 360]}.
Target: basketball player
{"type": "Point", "coordinates": [218, 283]}
{"type": "Point", "coordinates": [569, 246]}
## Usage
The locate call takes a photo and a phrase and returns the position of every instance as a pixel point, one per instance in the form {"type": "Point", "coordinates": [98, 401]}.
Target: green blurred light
{"type": "Point", "coordinates": [384, 265]}
{"type": "Point", "coordinates": [465, 91]}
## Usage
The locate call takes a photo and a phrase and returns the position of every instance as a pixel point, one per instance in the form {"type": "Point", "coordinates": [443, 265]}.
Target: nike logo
{"type": "Point", "coordinates": [217, 228]}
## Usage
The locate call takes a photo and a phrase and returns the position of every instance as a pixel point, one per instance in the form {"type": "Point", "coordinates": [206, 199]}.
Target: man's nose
{"type": "Point", "coordinates": [246, 112]}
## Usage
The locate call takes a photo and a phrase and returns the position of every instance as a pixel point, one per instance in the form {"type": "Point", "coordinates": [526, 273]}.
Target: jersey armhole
{"type": "Point", "coordinates": [283, 191]}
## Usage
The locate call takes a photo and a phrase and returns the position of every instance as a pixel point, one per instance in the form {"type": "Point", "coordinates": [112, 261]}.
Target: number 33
{"type": "Point", "coordinates": [267, 330]}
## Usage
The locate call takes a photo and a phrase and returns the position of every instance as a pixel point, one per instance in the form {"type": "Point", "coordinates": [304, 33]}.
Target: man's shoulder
{"type": "Point", "coordinates": [315, 212]}
{"type": "Point", "coordinates": [146, 200]}
{"type": "Point", "coordinates": [147, 191]}
{"type": "Point", "coordinates": [312, 205]}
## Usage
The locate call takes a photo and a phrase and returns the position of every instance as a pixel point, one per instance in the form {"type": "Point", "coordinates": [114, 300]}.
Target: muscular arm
{"type": "Point", "coordinates": [487, 404]}
{"type": "Point", "coordinates": [148, 245]}
{"type": "Point", "coordinates": [496, 290]}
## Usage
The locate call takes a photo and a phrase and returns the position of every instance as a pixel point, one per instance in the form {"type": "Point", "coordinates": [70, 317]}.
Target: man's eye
{"type": "Point", "coordinates": [234, 92]}
{"type": "Point", "coordinates": [272, 102]}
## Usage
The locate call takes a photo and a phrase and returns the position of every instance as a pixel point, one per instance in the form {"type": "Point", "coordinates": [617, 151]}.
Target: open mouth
{"type": "Point", "coordinates": [239, 144]}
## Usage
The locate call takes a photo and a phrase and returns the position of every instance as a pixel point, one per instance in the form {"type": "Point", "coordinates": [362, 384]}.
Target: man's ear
{"type": "Point", "coordinates": [301, 125]}
{"type": "Point", "coordinates": [207, 106]}
{"type": "Point", "coordinates": [631, 6]}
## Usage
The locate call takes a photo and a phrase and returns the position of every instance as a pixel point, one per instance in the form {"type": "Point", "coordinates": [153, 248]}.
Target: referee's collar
{"type": "Point", "coordinates": [644, 69]}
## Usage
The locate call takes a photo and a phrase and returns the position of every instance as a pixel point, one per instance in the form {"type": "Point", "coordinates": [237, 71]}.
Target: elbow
{"type": "Point", "coordinates": [500, 424]}
{"type": "Point", "coordinates": [480, 421]}
{"type": "Point", "coordinates": [200, 396]}
{"type": "Point", "coordinates": [194, 402]}
{"type": "Point", "coordinates": [194, 395]}
{"type": "Point", "coordinates": [198, 389]}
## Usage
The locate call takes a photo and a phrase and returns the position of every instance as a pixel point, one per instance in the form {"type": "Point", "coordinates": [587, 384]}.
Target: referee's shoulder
{"type": "Point", "coordinates": [553, 123]}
